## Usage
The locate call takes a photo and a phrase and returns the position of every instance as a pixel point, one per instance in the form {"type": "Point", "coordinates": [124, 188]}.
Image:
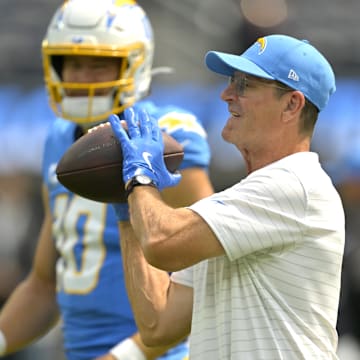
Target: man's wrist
{"type": "Point", "coordinates": [138, 180]}
{"type": "Point", "coordinates": [127, 350]}
{"type": "Point", "coordinates": [2, 343]}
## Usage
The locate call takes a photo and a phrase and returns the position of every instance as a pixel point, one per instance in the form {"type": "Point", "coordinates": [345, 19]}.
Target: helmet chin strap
{"type": "Point", "coordinates": [82, 107]}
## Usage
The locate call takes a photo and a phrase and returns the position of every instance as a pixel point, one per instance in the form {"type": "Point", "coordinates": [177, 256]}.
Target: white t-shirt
{"type": "Point", "coordinates": [275, 293]}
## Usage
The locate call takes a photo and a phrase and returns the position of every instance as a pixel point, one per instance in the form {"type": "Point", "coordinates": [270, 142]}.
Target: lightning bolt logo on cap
{"type": "Point", "coordinates": [262, 42]}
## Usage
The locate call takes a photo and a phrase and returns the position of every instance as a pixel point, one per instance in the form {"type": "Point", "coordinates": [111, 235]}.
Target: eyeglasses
{"type": "Point", "coordinates": [242, 82]}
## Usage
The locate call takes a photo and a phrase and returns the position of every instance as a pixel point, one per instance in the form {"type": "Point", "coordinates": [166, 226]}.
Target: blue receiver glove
{"type": "Point", "coordinates": [143, 148]}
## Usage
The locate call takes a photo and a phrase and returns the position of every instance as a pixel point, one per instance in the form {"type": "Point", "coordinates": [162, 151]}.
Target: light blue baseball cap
{"type": "Point", "coordinates": [293, 62]}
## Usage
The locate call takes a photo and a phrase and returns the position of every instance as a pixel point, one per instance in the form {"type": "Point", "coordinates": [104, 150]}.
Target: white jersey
{"type": "Point", "coordinates": [275, 293]}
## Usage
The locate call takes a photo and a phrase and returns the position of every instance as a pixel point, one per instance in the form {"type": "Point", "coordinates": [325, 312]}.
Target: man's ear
{"type": "Point", "coordinates": [295, 101]}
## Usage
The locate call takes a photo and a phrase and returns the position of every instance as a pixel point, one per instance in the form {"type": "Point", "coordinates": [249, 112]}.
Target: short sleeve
{"type": "Point", "coordinates": [183, 277]}
{"type": "Point", "coordinates": [258, 215]}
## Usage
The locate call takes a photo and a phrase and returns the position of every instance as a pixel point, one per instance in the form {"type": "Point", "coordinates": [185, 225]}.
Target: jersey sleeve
{"type": "Point", "coordinates": [48, 152]}
{"type": "Point", "coordinates": [59, 138]}
{"type": "Point", "coordinates": [185, 128]}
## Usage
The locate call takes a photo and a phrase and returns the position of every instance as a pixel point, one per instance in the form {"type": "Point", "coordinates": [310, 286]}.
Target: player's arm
{"type": "Point", "coordinates": [31, 309]}
{"type": "Point", "coordinates": [193, 186]}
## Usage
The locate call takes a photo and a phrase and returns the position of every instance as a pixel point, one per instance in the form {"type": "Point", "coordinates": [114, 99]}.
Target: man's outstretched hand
{"type": "Point", "coordinates": [142, 148]}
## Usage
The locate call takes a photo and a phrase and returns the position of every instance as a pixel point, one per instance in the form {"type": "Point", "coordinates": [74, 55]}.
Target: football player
{"type": "Point", "coordinates": [97, 60]}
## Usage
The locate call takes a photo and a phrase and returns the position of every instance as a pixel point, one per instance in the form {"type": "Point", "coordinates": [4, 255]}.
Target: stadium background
{"type": "Point", "coordinates": [184, 31]}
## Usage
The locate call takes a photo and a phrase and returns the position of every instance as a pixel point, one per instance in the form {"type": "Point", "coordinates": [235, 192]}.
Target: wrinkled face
{"type": "Point", "coordinates": [255, 112]}
{"type": "Point", "coordinates": [89, 69]}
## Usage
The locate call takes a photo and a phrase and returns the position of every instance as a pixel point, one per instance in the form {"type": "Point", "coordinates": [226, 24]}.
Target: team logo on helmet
{"type": "Point", "coordinates": [262, 42]}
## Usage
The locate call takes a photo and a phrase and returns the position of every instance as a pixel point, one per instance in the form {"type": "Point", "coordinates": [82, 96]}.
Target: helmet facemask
{"type": "Point", "coordinates": [135, 60]}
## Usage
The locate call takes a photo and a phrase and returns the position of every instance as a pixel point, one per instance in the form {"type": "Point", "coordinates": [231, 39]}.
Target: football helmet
{"type": "Point", "coordinates": [114, 28]}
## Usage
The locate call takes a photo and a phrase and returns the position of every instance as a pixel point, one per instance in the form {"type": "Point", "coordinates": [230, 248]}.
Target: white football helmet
{"type": "Point", "coordinates": [114, 28]}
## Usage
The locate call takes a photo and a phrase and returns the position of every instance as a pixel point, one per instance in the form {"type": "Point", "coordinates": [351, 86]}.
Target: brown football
{"type": "Point", "coordinates": [92, 165]}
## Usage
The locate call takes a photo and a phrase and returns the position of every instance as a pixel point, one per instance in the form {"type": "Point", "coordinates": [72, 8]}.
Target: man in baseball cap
{"type": "Point", "coordinates": [256, 268]}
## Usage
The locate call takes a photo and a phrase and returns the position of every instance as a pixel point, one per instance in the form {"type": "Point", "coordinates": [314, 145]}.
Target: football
{"type": "Point", "coordinates": [92, 165]}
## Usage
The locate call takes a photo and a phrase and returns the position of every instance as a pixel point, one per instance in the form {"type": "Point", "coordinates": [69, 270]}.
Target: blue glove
{"type": "Point", "coordinates": [143, 148]}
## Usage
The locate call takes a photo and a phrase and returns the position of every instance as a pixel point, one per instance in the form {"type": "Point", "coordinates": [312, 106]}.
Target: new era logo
{"type": "Point", "coordinates": [293, 75]}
